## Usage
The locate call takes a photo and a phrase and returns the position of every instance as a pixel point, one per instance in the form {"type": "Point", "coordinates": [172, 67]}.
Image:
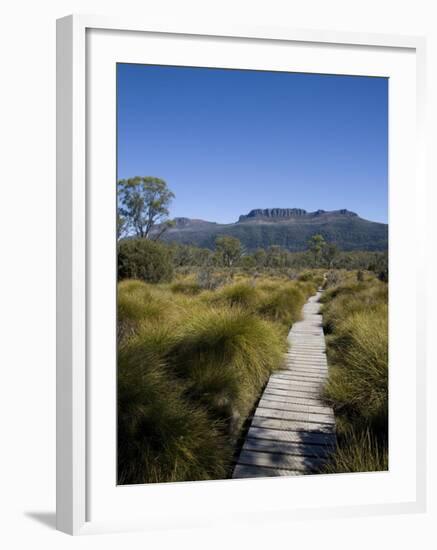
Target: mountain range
{"type": "Point", "coordinates": [290, 228]}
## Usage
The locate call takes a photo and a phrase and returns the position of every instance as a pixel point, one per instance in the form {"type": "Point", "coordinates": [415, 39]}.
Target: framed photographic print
{"type": "Point", "coordinates": [239, 327]}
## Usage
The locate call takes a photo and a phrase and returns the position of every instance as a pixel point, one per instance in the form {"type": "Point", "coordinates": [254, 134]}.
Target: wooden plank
{"type": "Point", "coordinates": [295, 415]}
{"type": "Point", "coordinates": [293, 375]}
{"type": "Point", "coordinates": [312, 395]}
{"type": "Point", "coordinates": [276, 385]}
{"type": "Point", "coordinates": [299, 381]}
{"type": "Point", "coordinates": [305, 367]}
{"type": "Point", "coordinates": [309, 347]}
{"type": "Point", "coordinates": [294, 401]}
{"type": "Point", "coordinates": [272, 390]}
{"type": "Point", "coordinates": [307, 361]}
{"type": "Point", "coordinates": [307, 358]}
{"type": "Point", "coordinates": [296, 384]}
{"type": "Point", "coordinates": [302, 436]}
{"type": "Point", "coordinates": [289, 406]}
{"type": "Point", "coordinates": [306, 355]}
{"type": "Point", "coordinates": [280, 460]}
{"type": "Point", "coordinates": [309, 369]}
{"type": "Point", "coordinates": [302, 356]}
{"type": "Point", "coordinates": [242, 471]}
{"type": "Point", "coordinates": [299, 370]}
{"type": "Point", "coordinates": [278, 424]}
{"type": "Point", "coordinates": [300, 399]}
{"type": "Point", "coordinates": [287, 447]}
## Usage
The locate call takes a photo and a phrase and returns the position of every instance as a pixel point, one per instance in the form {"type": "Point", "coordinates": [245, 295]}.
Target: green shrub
{"type": "Point", "coordinates": [146, 260]}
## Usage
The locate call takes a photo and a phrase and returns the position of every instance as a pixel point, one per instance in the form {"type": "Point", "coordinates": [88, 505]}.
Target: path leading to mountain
{"type": "Point", "coordinates": [292, 431]}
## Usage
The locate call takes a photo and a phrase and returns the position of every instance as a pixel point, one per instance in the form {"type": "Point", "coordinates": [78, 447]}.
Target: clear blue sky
{"type": "Point", "coordinates": [228, 141]}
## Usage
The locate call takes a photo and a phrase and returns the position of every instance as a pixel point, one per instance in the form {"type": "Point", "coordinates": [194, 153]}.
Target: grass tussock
{"type": "Point", "coordinates": [356, 318]}
{"type": "Point", "coordinates": [186, 287]}
{"type": "Point", "coordinates": [241, 294]}
{"type": "Point", "coordinates": [225, 356]}
{"type": "Point", "coordinates": [358, 452]}
{"type": "Point", "coordinates": [162, 436]}
{"type": "Point", "coordinates": [191, 366]}
{"type": "Point", "coordinates": [284, 305]}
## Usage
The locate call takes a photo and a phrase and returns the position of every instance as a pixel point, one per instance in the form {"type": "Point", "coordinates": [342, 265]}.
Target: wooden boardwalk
{"type": "Point", "coordinates": [292, 431]}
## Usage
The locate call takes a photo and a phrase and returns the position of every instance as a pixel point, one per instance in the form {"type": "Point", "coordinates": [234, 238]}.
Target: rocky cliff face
{"type": "Point", "coordinates": [273, 213]}
{"type": "Point", "coordinates": [277, 214]}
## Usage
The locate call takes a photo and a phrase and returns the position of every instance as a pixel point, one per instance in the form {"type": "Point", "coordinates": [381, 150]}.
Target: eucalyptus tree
{"type": "Point", "coordinates": [143, 203]}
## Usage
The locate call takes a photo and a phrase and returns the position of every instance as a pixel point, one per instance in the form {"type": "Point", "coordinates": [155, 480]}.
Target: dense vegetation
{"type": "Point", "coordinates": [355, 316]}
{"type": "Point", "coordinates": [145, 260]}
{"type": "Point", "coordinates": [150, 260]}
{"type": "Point", "coordinates": [191, 365]}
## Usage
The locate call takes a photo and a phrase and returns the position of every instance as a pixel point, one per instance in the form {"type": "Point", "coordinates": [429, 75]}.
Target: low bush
{"type": "Point", "coordinates": [208, 279]}
{"type": "Point", "coordinates": [146, 260]}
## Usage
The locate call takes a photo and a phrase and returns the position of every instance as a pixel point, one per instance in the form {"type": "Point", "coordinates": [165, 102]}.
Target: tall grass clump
{"type": "Point", "coordinates": [186, 287]}
{"type": "Point", "coordinates": [139, 303]}
{"type": "Point", "coordinates": [358, 451]}
{"type": "Point", "coordinates": [284, 304]}
{"type": "Point", "coordinates": [350, 298]}
{"type": "Point", "coordinates": [241, 294]}
{"type": "Point", "coordinates": [225, 356]}
{"type": "Point", "coordinates": [358, 384]}
{"type": "Point", "coordinates": [356, 318]}
{"type": "Point", "coordinates": [162, 436]}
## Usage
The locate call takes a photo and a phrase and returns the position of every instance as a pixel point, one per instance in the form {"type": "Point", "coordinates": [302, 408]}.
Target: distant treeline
{"type": "Point", "coordinates": [154, 261]}
{"type": "Point", "coordinates": [278, 257]}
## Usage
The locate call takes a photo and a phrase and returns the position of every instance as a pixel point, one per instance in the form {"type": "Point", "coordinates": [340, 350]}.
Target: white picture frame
{"type": "Point", "coordinates": [74, 396]}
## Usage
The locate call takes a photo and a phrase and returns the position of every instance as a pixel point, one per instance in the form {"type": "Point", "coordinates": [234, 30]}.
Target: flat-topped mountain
{"type": "Point", "coordinates": [290, 214]}
{"type": "Point", "coordinates": [290, 228]}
